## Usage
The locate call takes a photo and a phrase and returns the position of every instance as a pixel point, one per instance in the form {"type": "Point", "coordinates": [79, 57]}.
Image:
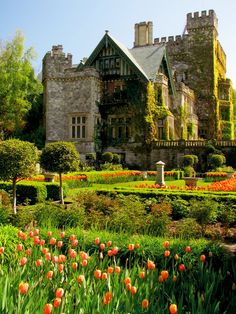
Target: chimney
{"type": "Point", "coordinates": [143, 34]}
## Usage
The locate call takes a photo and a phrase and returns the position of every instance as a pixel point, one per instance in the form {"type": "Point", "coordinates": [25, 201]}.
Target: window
{"type": "Point", "coordinates": [78, 127]}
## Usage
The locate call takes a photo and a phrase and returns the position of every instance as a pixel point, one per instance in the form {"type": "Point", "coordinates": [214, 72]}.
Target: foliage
{"type": "Point", "coordinates": [188, 228]}
{"type": "Point", "coordinates": [53, 190]}
{"type": "Point", "coordinates": [205, 212]}
{"type": "Point", "coordinates": [107, 157]}
{"type": "Point", "coordinates": [111, 166]}
{"type": "Point", "coordinates": [19, 87]}
{"type": "Point", "coordinates": [17, 161]}
{"type": "Point", "coordinates": [60, 157]}
{"type": "Point", "coordinates": [149, 114]}
{"type": "Point", "coordinates": [116, 159]}
{"type": "Point", "coordinates": [189, 160]}
{"type": "Point", "coordinates": [216, 160]}
{"type": "Point", "coordinates": [189, 171]}
{"type": "Point", "coordinates": [180, 208]}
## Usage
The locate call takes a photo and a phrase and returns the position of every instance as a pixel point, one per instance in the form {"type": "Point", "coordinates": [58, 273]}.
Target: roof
{"type": "Point", "coordinates": [149, 58]}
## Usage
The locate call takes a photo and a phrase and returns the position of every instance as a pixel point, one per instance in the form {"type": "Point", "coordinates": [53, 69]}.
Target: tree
{"type": "Point", "coordinates": [17, 161]}
{"type": "Point", "coordinates": [60, 157]}
{"type": "Point", "coordinates": [19, 87]}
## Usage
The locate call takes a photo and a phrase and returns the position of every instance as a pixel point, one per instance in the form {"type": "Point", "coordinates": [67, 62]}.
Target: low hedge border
{"type": "Point", "coordinates": [35, 192]}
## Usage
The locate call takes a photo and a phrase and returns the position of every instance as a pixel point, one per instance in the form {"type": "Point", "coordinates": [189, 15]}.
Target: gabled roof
{"type": "Point", "coordinates": [146, 60]}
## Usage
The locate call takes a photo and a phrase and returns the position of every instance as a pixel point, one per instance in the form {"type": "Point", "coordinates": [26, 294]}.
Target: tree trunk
{"type": "Point", "coordinates": [61, 189]}
{"type": "Point", "coordinates": [14, 195]}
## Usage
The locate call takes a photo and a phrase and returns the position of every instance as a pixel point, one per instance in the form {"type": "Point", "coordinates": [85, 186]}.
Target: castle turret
{"type": "Point", "coordinates": [143, 34]}
{"type": "Point", "coordinates": [202, 21]}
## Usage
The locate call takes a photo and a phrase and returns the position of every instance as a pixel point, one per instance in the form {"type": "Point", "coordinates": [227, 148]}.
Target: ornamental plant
{"type": "Point", "coordinates": [60, 157]}
{"type": "Point", "coordinates": [18, 161]}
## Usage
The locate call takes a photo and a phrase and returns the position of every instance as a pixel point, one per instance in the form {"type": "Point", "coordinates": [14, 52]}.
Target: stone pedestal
{"type": "Point", "coordinates": [191, 181]}
{"type": "Point", "coordinates": [160, 173]}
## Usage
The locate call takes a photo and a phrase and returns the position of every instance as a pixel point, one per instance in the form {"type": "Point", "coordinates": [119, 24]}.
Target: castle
{"type": "Point", "coordinates": [128, 100]}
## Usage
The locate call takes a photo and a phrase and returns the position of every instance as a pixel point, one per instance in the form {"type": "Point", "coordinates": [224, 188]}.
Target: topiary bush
{"type": "Point", "coordinates": [116, 159]}
{"type": "Point", "coordinates": [53, 190]}
{"type": "Point", "coordinates": [216, 160]}
{"type": "Point", "coordinates": [107, 157]}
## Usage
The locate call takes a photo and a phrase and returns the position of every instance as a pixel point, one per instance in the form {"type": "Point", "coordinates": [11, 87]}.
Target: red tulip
{"type": "Point", "coordinates": [23, 287]}
{"type": "Point", "coordinates": [47, 309]}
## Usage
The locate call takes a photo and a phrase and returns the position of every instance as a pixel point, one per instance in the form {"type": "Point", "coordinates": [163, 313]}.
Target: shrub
{"type": "Point", "coordinates": [116, 159]}
{"type": "Point", "coordinates": [205, 212]}
{"type": "Point", "coordinates": [32, 192]}
{"type": "Point", "coordinates": [24, 217]}
{"type": "Point", "coordinates": [53, 190]}
{"type": "Point", "coordinates": [189, 171]}
{"type": "Point", "coordinates": [111, 167]}
{"type": "Point", "coordinates": [216, 160]}
{"type": "Point", "coordinates": [188, 228]}
{"type": "Point", "coordinates": [189, 160]}
{"type": "Point", "coordinates": [5, 215]}
{"type": "Point", "coordinates": [180, 208]}
{"type": "Point", "coordinates": [107, 157]}
{"type": "Point", "coordinates": [56, 215]}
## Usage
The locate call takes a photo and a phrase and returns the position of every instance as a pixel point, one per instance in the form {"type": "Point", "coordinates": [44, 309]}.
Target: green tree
{"type": "Point", "coordinates": [18, 85]}
{"type": "Point", "coordinates": [60, 157]}
{"type": "Point", "coordinates": [17, 161]}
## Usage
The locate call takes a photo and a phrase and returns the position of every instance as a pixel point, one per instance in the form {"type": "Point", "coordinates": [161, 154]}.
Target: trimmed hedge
{"type": "Point", "coordinates": [53, 190]}
{"type": "Point", "coordinates": [32, 192]}
{"type": "Point", "coordinates": [35, 192]}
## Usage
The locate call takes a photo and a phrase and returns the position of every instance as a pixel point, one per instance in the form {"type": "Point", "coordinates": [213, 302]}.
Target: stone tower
{"type": "Point", "coordinates": [70, 101]}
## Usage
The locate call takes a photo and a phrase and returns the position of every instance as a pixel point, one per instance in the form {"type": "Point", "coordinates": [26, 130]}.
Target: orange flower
{"type": "Point", "coordinates": [49, 233]}
{"type": "Point", "coordinates": [188, 249]}
{"type": "Point", "coordinates": [55, 259]}
{"type": "Point", "coordinates": [167, 253]}
{"type": "Point", "coordinates": [47, 308]}
{"type": "Point", "coordinates": [84, 262]}
{"type": "Point", "coordinates": [72, 253]}
{"type": "Point", "coordinates": [60, 267]}
{"type": "Point", "coordinates": [117, 269]}
{"type": "Point", "coordinates": [59, 292]}
{"type": "Point", "coordinates": [128, 286]}
{"type": "Point", "coordinates": [74, 242]}
{"type": "Point", "coordinates": [173, 309]}
{"type": "Point", "coordinates": [107, 298]}
{"type": "Point", "coordinates": [181, 267]}
{"type": "Point", "coordinates": [102, 246]}
{"type": "Point", "coordinates": [80, 278]}
{"type": "Point", "coordinates": [57, 302]}
{"type": "Point", "coordinates": [83, 255]}
{"type": "Point", "coordinates": [137, 246]}
{"type": "Point", "coordinates": [133, 290]}
{"type": "Point", "coordinates": [59, 244]}
{"type": "Point", "coordinates": [131, 247]}
{"type": "Point", "coordinates": [23, 287]}
{"type": "Point", "coordinates": [150, 264]}
{"type": "Point", "coordinates": [36, 232]}
{"type": "Point", "coordinates": [110, 270]}
{"type": "Point", "coordinates": [109, 252]}
{"type": "Point", "coordinates": [104, 276]}
{"type": "Point", "coordinates": [23, 237]}
{"type": "Point", "coordinates": [97, 241]}
{"type": "Point", "coordinates": [166, 244]}
{"type": "Point", "coordinates": [19, 247]}
{"type": "Point", "coordinates": [160, 279]}
{"type": "Point", "coordinates": [72, 237]}
{"type": "Point", "coordinates": [44, 250]}
{"type": "Point", "coordinates": [49, 274]}
{"type": "Point", "coordinates": [203, 258]}
{"type": "Point", "coordinates": [142, 274]}
{"type": "Point", "coordinates": [145, 303]}
{"type": "Point", "coordinates": [38, 262]}
{"type": "Point", "coordinates": [115, 250]}
{"type": "Point", "coordinates": [23, 261]}
{"type": "Point", "coordinates": [97, 273]}
{"type": "Point", "coordinates": [127, 280]}
{"type": "Point", "coordinates": [174, 278]}
{"type": "Point", "coordinates": [48, 256]}
{"type": "Point", "coordinates": [42, 242]}
{"type": "Point", "coordinates": [62, 234]}
{"type": "Point", "coordinates": [109, 243]}
{"type": "Point", "coordinates": [28, 252]}
{"type": "Point", "coordinates": [74, 265]}
{"type": "Point", "coordinates": [61, 258]}
{"type": "Point", "coordinates": [36, 240]}
{"type": "Point", "coordinates": [164, 274]}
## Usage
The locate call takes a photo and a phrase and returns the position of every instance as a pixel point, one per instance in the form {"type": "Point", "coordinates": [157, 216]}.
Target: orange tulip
{"type": "Point", "coordinates": [203, 258]}
{"type": "Point", "coordinates": [44, 250]}
{"type": "Point", "coordinates": [55, 259]}
{"type": "Point", "coordinates": [38, 262]}
{"type": "Point", "coordinates": [109, 243]}
{"type": "Point", "coordinates": [97, 241]}
{"type": "Point", "coordinates": [131, 247]}
{"type": "Point", "coordinates": [62, 234]}
{"type": "Point", "coordinates": [49, 274]}
{"type": "Point", "coordinates": [164, 274]}
{"type": "Point", "coordinates": [60, 267]}
{"type": "Point", "coordinates": [48, 256]}
{"type": "Point", "coordinates": [173, 309]}
{"type": "Point", "coordinates": [137, 246]}
{"type": "Point", "coordinates": [28, 252]}
{"type": "Point", "coordinates": [59, 292]}
{"type": "Point", "coordinates": [42, 242]}
{"type": "Point", "coordinates": [109, 252]}
{"type": "Point", "coordinates": [115, 250]}
{"type": "Point", "coordinates": [102, 246]}
{"type": "Point", "coordinates": [23, 287]}
{"type": "Point", "coordinates": [188, 249]}
{"type": "Point", "coordinates": [142, 274]}
{"type": "Point", "coordinates": [23, 237]}
{"type": "Point", "coordinates": [128, 286]}
{"type": "Point", "coordinates": [31, 234]}
{"type": "Point", "coordinates": [72, 237]}
{"type": "Point", "coordinates": [74, 265]}
{"type": "Point", "coordinates": [104, 276]}
{"type": "Point", "coordinates": [72, 253]}
{"type": "Point", "coordinates": [174, 278]}
{"type": "Point", "coordinates": [150, 264]}
{"type": "Point", "coordinates": [61, 258]}
{"type": "Point", "coordinates": [97, 274]}
{"type": "Point", "coordinates": [110, 270]}
{"type": "Point", "coordinates": [117, 269]}
{"type": "Point", "coordinates": [74, 242]}
{"type": "Point", "coordinates": [107, 298]}
{"type": "Point", "coordinates": [160, 279]}
{"type": "Point", "coordinates": [181, 267]}
{"type": "Point", "coordinates": [127, 280]}
{"type": "Point", "coordinates": [57, 302]}
{"type": "Point", "coordinates": [84, 263]}
{"type": "Point", "coordinates": [36, 232]}
{"type": "Point", "coordinates": [133, 290]}
{"type": "Point", "coordinates": [47, 309]}
{"type": "Point", "coordinates": [59, 244]}
{"type": "Point", "coordinates": [19, 234]}
{"type": "Point", "coordinates": [167, 253]}
{"type": "Point", "coordinates": [145, 303]}
{"type": "Point", "coordinates": [23, 261]}
{"type": "Point", "coordinates": [49, 233]}
{"type": "Point", "coordinates": [80, 279]}
{"type": "Point", "coordinates": [166, 244]}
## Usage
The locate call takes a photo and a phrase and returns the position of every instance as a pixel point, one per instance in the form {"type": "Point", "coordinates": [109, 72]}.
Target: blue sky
{"type": "Point", "coordinates": [79, 25]}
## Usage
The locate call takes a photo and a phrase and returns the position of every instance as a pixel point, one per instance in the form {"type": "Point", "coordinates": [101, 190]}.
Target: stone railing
{"type": "Point", "coordinates": [195, 143]}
